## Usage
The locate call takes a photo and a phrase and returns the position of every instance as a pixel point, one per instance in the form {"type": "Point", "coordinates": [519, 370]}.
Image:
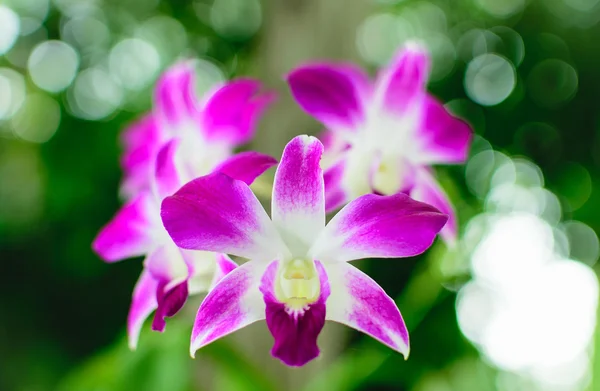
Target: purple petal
{"type": "Point", "coordinates": [174, 97]}
{"type": "Point", "coordinates": [232, 112]}
{"type": "Point", "coordinates": [225, 265]}
{"type": "Point", "coordinates": [426, 189]}
{"type": "Point", "coordinates": [298, 204]}
{"type": "Point", "coordinates": [220, 214]}
{"type": "Point", "coordinates": [142, 305]}
{"type": "Point", "coordinates": [359, 302]}
{"type": "Point", "coordinates": [402, 84]}
{"type": "Point", "coordinates": [141, 141]}
{"type": "Point", "coordinates": [360, 79]}
{"type": "Point", "coordinates": [246, 166]}
{"type": "Point", "coordinates": [443, 138]}
{"type": "Point", "coordinates": [295, 330]}
{"type": "Point", "coordinates": [374, 226]}
{"type": "Point", "coordinates": [335, 195]}
{"type": "Point", "coordinates": [170, 301]}
{"type": "Point", "coordinates": [329, 93]}
{"type": "Point", "coordinates": [167, 177]}
{"type": "Point", "coordinates": [234, 303]}
{"type": "Point", "coordinates": [129, 233]}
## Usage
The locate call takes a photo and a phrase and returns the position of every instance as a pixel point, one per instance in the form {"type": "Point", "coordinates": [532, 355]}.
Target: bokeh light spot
{"type": "Point", "coordinates": [166, 34]}
{"type": "Point", "coordinates": [94, 95]}
{"type": "Point", "coordinates": [552, 82]}
{"type": "Point", "coordinates": [489, 79]}
{"type": "Point", "coordinates": [378, 37]}
{"type": "Point", "coordinates": [38, 118]}
{"type": "Point", "coordinates": [512, 46]}
{"type": "Point", "coordinates": [501, 9]}
{"type": "Point", "coordinates": [87, 33]}
{"type": "Point", "coordinates": [52, 65]}
{"type": "Point", "coordinates": [540, 141]}
{"type": "Point", "coordinates": [32, 13]}
{"type": "Point", "coordinates": [134, 63]}
{"type": "Point", "coordinates": [19, 54]}
{"type": "Point", "coordinates": [236, 19]}
{"type": "Point", "coordinates": [443, 55]}
{"type": "Point", "coordinates": [9, 28]}
{"type": "Point", "coordinates": [583, 242]}
{"type": "Point", "coordinates": [12, 92]}
{"type": "Point", "coordinates": [575, 184]}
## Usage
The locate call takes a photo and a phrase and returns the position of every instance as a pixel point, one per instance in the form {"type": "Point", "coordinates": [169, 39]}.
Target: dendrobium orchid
{"type": "Point", "coordinates": [170, 274]}
{"type": "Point", "coordinates": [382, 137]}
{"type": "Point", "coordinates": [209, 130]}
{"type": "Point", "coordinates": [298, 275]}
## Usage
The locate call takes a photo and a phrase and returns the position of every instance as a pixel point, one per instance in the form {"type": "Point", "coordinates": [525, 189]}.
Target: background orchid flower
{"type": "Point", "coordinates": [298, 275]}
{"type": "Point", "coordinates": [209, 129]}
{"type": "Point", "coordinates": [383, 136]}
{"type": "Point", "coordinates": [170, 274]}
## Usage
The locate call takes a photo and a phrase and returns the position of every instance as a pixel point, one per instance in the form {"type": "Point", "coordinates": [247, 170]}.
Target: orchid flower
{"type": "Point", "coordinates": [170, 274]}
{"type": "Point", "coordinates": [383, 136]}
{"type": "Point", "coordinates": [209, 130]}
{"type": "Point", "coordinates": [298, 275]}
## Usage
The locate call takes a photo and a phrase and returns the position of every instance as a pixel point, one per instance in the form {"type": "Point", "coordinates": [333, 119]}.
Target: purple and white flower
{"type": "Point", "coordinates": [298, 275]}
{"type": "Point", "coordinates": [170, 274]}
{"type": "Point", "coordinates": [209, 129]}
{"type": "Point", "coordinates": [382, 137]}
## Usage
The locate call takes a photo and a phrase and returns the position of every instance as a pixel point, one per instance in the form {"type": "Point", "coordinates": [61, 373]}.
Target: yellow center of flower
{"type": "Point", "coordinates": [388, 177]}
{"type": "Point", "coordinates": [298, 283]}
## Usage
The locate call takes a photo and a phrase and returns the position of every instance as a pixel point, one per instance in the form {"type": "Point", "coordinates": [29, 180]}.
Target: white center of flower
{"type": "Point", "coordinates": [200, 156]}
{"type": "Point", "coordinates": [379, 153]}
{"type": "Point", "coordinates": [297, 283]}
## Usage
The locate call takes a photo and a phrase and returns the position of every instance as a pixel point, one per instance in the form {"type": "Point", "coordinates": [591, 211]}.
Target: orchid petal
{"type": "Point", "coordinates": [174, 97]}
{"type": "Point", "coordinates": [234, 303]}
{"type": "Point", "coordinates": [298, 204]}
{"type": "Point", "coordinates": [329, 94]}
{"type": "Point", "coordinates": [443, 138]}
{"type": "Point", "coordinates": [379, 226]}
{"type": "Point", "coordinates": [335, 195]}
{"type": "Point", "coordinates": [246, 166]}
{"type": "Point", "coordinates": [220, 214]}
{"type": "Point", "coordinates": [129, 233]}
{"type": "Point", "coordinates": [140, 140]}
{"type": "Point", "coordinates": [427, 190]}
{"type": "Point", "coordinates": [360, 79]}
{"type": "Point", "coordinates": [357, 301]}
{"type": "Point", "coordinates": [142, 305]}
{"type": "Point", "coordinates": [225, 265]}
{"type": "Point", "coordinates": [140, 131]}
{"type": "Point", "coordinates": [231, 112]}
{"type": "Point", "coordinates": [402, 84]}
{"type": "Point", "coordinates": [167, 177]}
{"type": "Point", "coordinates": [170, 301]}
{"type": "Point", "coordinates": [295, 330]}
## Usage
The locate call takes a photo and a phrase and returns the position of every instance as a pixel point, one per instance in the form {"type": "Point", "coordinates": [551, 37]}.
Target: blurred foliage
{"type": "Point", "coordinates": [64, 310]}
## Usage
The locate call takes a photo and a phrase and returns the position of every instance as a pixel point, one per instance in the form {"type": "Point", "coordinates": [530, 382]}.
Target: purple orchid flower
{"type": "Point", "coordinates": [209, 130]}
{"type": "Point", "coordinates": [383, 136]}
{"type": "Point", "coordinates": [170, 274]}
{"type": "Point", "coordinates": [298, 275]}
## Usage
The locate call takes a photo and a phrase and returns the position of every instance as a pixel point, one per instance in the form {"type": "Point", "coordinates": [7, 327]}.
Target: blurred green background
{"type": "Point", "coordinates": [511, 307]}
